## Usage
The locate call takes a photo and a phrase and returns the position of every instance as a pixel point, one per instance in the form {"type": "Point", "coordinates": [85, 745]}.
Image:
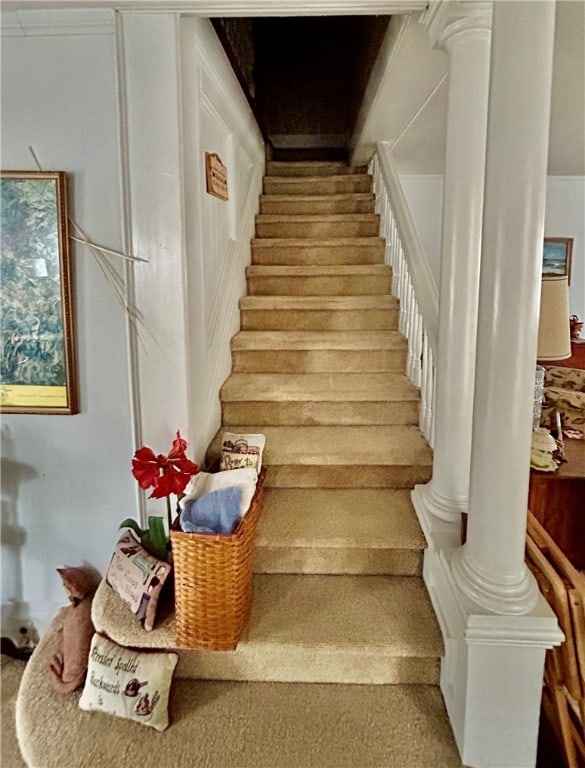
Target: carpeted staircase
{"type": "Point", "coordinates": [318, 367]}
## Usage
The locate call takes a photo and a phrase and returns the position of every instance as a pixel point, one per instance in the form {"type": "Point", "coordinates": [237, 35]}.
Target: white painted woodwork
{"type": "Point", "coordinates": [417, 319]}
{"type": "Point", "coordinates": [495, 624]}
{"type": "Point", "coordinates": [465, 33]}
{"type": "Point", "coordinates": [421, 273]}
{"type": "Point", "coordinates": [208, 8]}
{"type": "Point", "coordinates": [491, 673]}
{"type": "Point", "coordinates": [406, 65]}
{"type": "Point", "coordinates": [490, 566]}
{"type": "Point", "coordinates": [197, 246]}
{"type": "Point", "coordinates": [424, 197]}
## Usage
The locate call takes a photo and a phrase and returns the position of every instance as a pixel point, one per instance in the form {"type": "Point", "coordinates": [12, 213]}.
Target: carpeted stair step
{"type": "Point", "coordinates": [354, 280]}
{"type": "Point", "coordinates": [217, 724]}
{"type": "Point", "coordinates": [325, 226]}
{"type": "Point", "coordinates": [361, 202]}
{"type": "Point", "coordinates": [315, 530]}
{"type": "Point", "coordinates": [310, 352]}
{"type": "Point", "coordinates": [307, 628]}
{"type": "Point", "coordinates": [311, 168]}
{"type": "Point", "coordinates": [343, 184]}
{"type": "Point", "coordinates": [313, 252]}
{"type": "Point", "coordinates": [340, 456]}
{"type": "Point", "coordinates": [319, 313]}
{"type": "Point", "coordinates": [318, 398]}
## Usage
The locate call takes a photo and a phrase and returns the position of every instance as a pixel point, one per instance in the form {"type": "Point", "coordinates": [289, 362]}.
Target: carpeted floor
{"type": "Point", "coordinates": [11, 671]}
{"type": "Point", "coordinates": [243, 694]}
{"type": "Point", "coordinates": [240, 725]}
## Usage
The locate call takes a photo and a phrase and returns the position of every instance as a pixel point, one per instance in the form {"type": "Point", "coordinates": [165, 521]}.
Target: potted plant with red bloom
{"type": "Point", "coordinates": [165, 474]}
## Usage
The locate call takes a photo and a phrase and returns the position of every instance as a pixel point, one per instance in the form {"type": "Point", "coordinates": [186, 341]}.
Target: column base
{"type": "Point", "coordinates": [492, 671]}
{"type": "Point", "coordinates": [508, 599]}
{"type": "Point", "coordinates": [440, 531]}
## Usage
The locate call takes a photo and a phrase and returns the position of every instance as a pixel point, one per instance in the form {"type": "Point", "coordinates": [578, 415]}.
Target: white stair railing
{"type": "Point", "coordinates": [412, 283]}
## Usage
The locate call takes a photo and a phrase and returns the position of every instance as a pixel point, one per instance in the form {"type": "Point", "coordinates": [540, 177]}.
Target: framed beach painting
{"type": "Point", "coordinates": [37, 350]}
{"type": "Point", "coordinates": [556, 257]}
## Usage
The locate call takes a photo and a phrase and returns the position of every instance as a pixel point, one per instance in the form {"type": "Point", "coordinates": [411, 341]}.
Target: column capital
{"type": "Point", "coordinates": [447, 19]}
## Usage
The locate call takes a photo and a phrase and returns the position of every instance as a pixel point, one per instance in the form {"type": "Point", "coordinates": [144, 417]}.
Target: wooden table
{"type": "Point", "coordinates": [557, 500]}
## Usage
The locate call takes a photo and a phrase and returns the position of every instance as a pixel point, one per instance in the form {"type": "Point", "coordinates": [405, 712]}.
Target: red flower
{"type": "Point", "coordinates": [166, 474]}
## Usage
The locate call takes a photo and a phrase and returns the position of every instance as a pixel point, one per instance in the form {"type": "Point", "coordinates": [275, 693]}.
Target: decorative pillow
{"type": "Point", "coordinates": [241, 451]}
{"type": "Point", "coordinates": [206, 482]}
{"type": "Point", "coordinates": [216, 512]}
{"type": "Point", "coordinates": [138, 577]}
{"type": "Point", "coordinates": [130, 684]}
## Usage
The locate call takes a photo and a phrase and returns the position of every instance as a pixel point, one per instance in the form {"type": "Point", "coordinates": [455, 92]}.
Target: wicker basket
{"type": "Point", "coordinates": [213, 581]}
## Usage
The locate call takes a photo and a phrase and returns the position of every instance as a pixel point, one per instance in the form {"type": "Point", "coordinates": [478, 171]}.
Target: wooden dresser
{"type": "Point", "coordinates": [557, 500]}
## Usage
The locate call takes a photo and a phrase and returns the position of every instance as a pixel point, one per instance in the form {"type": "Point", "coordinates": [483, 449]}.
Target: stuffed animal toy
{"type": "Point", "coordinates": [69, 667]}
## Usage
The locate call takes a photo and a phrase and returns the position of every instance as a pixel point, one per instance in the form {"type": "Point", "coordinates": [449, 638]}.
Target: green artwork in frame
{"type": "Point", "coordinates": [37, 351]}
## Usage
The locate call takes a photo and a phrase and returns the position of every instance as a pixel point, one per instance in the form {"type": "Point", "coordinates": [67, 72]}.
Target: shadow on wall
{"type": "Point", "coordinates": [15, 616]}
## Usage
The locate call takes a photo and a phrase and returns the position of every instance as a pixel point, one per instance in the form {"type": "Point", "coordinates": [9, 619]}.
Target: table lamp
{"type": "Point", "coordinates": [554, 334]}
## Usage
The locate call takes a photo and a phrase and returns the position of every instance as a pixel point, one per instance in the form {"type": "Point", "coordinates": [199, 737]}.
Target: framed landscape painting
{"type": "Point", "coordinates": [556, 257]}
{"type": "Point", "coordinates": [37, 351]}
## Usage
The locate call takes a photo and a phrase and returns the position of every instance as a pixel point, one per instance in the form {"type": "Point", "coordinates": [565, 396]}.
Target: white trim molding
{"type": "Point", "coordinates": [58, 23]}
{"type": "Point", "coordinates": [236, 7]}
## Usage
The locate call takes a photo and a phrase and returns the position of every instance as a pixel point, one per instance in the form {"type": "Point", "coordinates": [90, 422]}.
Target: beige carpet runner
{"type": "Point", "coordinates": [318, 367]}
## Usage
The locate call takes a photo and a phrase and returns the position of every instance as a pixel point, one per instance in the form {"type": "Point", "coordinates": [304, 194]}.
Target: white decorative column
{"type": "Point", "coordinates": [464, 30]}
{"type": "Point", "coordinates": [495, 623]}
{"type": "Point", "coordinates": [490, 567]}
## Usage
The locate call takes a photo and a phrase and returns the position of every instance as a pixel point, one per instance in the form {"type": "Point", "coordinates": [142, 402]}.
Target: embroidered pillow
{"type": "Point", "coordinates": [138, 577]}
{"type": "Point", "coordinates": [129, 684]}
{"type": "Point", "coordinates": [239, 451]}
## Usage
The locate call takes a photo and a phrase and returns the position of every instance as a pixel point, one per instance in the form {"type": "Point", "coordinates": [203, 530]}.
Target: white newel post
{"type": "Point", "coordinates": [496, 624]}
{"type": "Point", "coordinates": [464, 30]}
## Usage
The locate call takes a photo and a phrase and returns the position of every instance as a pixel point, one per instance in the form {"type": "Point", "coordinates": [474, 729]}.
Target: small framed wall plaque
{"type": "Point", "coordinates": [216, 176]}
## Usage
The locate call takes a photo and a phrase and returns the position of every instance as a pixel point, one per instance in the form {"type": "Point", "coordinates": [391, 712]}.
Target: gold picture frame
{"type": "Point", "coordinates": [37, 349]}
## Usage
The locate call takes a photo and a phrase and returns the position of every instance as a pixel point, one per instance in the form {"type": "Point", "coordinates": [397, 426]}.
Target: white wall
{"type": "Point", "coordinates": [406, 93]}
{"type": "Point", "coordinates": [424, 194]}
{"type": "Point", "coordinates": [197, 246]}
{"type": "Point", "coordinates": [66, 480]}
{"type": "Point", "coordinates": [565, 205]}
{"type": "Point", "coordinates": [134, 146]}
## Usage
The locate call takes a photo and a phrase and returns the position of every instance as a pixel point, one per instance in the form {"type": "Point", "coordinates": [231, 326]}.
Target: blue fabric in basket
{"type": "Point", "coordinates": [216, 512]}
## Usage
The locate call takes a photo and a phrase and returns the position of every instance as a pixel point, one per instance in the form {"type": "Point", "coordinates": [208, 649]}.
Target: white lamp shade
{"type": "Point", "coordinates": [554, 333]}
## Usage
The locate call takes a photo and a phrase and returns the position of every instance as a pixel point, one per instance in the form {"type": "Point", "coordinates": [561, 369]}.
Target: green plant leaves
{"type": "Point", "coordinates": [153, 539]}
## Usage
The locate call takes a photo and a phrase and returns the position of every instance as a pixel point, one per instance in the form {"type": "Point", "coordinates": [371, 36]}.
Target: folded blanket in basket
{"type": "Point", "coordinates": [207, 482]}
{"type": "Point", "coordinates": [216, 512]}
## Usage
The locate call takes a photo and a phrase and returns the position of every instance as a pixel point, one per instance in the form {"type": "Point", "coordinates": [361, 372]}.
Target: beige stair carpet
{"type": "Point", "coordinates": [11, 673]}
{"type": "Point", "coordinates": [339, 665]}
{"type": "Point", "coordinates": [238, 725]}
{"type": "Point", "coordinates": [307, 628]}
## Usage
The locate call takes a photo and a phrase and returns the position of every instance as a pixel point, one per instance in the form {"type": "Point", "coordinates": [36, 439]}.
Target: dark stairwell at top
{"type": "Point", "coordinates": [304, 77]}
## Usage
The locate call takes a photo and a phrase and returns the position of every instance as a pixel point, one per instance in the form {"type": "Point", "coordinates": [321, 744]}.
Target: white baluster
{"type": "Point", "coordinates": [424, 386]}
{"type": "Point", "coordinates": [418, 350]}
{"type": "Point", "coordinates": [402, 293]}
{"type": "Point", "coordinates": [420, 366]}
{"type": "Point", "coordinates": [412, 337]}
